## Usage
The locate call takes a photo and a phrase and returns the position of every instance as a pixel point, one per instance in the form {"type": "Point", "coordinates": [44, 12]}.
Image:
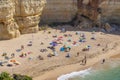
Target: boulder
{"type": "Point", "coordinates": [109, 28]}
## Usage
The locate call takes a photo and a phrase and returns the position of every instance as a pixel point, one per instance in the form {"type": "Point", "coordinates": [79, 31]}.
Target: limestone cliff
{"type": "Point", "coordinates": [99, 11]}
{"type": "Point", "coordinates": [19, 16]}
{"type": "Point", "coordinates": [8, 27]}
{"type": "Point", "coordinates": [59, 11]}
{"type": "Point", "coordinates": [89, 8]}
{"type": "Point", "coordinates": [27, 14]}
{"type": "Point", "coordinates": [22, 16]}
{"type": "Point", "coordinates": [110, 11]}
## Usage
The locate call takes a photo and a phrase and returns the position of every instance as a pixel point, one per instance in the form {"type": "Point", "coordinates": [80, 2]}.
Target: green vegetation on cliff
{"type": "Point", "coordinates": [7, 76]}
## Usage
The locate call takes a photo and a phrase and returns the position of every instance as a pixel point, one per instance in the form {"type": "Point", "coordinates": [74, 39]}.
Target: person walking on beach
{"type": "Point", "coordinates": [84, 61]}
{"type": "Point", "coordinates": [78, 54]}
{"type": "Point", "coordinates": [103, 61]}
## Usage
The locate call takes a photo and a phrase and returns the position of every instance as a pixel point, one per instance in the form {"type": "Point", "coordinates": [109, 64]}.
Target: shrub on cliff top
{"type": "Point", "coordinates": [21, 77]}
{"type": "Point", "coordinates": [6, 76]}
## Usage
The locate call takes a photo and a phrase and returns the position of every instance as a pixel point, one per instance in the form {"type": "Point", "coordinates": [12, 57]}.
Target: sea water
{"type": "Point", "coordinates": [74, 74]}
{"type": "Point", "coordinates": [110, 73]}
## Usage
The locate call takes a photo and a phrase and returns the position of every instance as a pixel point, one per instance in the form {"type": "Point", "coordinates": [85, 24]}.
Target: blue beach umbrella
{"type": "Point", "coordinates": [62, 49]}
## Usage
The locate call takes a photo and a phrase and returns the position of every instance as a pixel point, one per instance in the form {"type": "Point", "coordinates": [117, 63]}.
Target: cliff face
{"type": "Point", "coordinates": [111, 11]}
{"type": "Point", "coordinates": [100, 10]}
{"type": "Point", "coordinates": [27, 14]}
{"type": "Point", "coordinates": [59, 11]}
{"type": "Point", "coordinates": [8, 26]}
{"type": "Point", "coordinates": [19, 16]}
{"type": "Point", "coordinates": [89, 8]}
{"type": "Point", "coordinates": [22, 16]}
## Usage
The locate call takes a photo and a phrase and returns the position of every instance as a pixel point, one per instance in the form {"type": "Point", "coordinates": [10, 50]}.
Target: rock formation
{"type": "Point", "coordinates": [89, 8]}
{"type": "Point", "coordinates": [59, 11]}
{"type": "Point", "coordinates": [19, 16]}
{"type": "Point", "coordinates": [27, 14]}
{"type": "Point", "coordinates": [110, 11]}
{"type": "Point", "coordinates": [22, 16]}
{"type": "Point", "coordinates": [8, 27]}
{"type": "Point", "coordinates": [100, 11]}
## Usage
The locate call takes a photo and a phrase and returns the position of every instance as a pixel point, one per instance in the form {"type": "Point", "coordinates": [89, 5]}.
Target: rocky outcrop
{"type": "Point", "coordinates": [27, 14]}
{"type": "Point", "coordinates": [19, 16]}
{"type": "Point", "coordinates": [107, 8]}
{"type": "Point", "coordinates": [8, 27]}
{"type": "Point", "coordinates": [59, 11]}
{"type": "Point", "coordinates": [89, 8]}
{"type": "Point", "coordinates": [100, 11]}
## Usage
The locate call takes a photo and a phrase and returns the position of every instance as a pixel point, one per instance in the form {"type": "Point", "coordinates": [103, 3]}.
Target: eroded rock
{"type": "Point", "coordinates": [19, 16]}
{"type": "Point", "coordinates": [8, 27]}
{"type": "Point", "coordinates": [28, 13]}
{"type": "Point", "coordinates": [111, 11]}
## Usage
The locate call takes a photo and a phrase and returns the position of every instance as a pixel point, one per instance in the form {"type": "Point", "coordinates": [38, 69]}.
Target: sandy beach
{"type": "Point", "coordinates": [103, 47]}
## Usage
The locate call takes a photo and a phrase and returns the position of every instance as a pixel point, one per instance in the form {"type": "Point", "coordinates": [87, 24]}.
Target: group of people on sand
{"type": "Point", "coordinates": [59, 40]}
{"type": "Point", "coordinates": [8, 59]}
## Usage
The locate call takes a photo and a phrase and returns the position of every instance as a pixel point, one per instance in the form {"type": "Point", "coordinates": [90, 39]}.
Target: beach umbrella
{"type": "Point", "coordinates": [62, 49]}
